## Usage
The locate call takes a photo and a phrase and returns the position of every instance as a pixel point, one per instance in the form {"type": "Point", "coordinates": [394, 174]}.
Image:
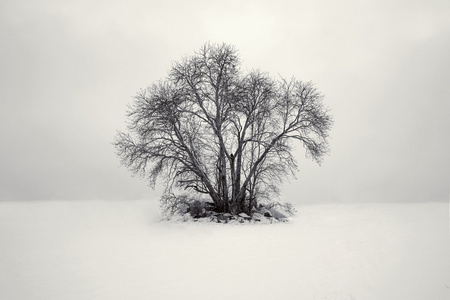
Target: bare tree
{"type": "Point", "coordinates": [213, 130]}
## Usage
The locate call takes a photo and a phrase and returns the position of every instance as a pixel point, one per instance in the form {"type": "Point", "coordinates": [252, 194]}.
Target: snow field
{"type": "Point", "coordinates": [120, 250]}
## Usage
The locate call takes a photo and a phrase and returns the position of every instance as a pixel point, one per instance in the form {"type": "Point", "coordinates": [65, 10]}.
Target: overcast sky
{"type": "Point", "coordinates": [69, 68]}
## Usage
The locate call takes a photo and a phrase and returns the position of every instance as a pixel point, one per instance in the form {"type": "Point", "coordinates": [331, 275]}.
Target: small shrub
{"type": "Point", "coordinates": [286, 208]}
{"type": "Point", "coordinates": [197, 209]}
{"type": "Point", "coordinates": [174, 205]}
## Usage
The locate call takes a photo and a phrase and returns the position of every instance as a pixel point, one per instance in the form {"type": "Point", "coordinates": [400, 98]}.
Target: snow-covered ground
{"type": "Point", "coordinates": [119, 250]}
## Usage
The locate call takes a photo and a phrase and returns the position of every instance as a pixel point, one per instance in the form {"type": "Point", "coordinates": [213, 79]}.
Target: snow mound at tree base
{"type": "Point", "coordinates": [199, 212]}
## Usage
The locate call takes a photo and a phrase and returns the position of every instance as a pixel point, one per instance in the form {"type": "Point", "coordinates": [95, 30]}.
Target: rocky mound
{"type": "Point", "coordinates": [203, 212]}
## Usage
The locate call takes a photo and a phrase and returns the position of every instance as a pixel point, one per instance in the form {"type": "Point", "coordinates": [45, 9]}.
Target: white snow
{"type": "Point", "coordinates": [119, 250]}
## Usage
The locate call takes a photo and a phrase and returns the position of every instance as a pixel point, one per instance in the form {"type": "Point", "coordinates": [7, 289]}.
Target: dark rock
{"type": "Point", "coordinates": [228, 216]}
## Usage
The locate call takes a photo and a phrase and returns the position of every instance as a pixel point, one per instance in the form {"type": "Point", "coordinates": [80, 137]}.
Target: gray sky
{"type": "Point", "coordinates": [69, 68]}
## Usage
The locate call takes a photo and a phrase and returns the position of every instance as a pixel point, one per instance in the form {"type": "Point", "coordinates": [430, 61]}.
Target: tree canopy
{"type": "Point", "coordinates": [215, 130]}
